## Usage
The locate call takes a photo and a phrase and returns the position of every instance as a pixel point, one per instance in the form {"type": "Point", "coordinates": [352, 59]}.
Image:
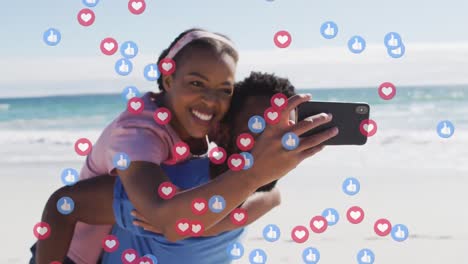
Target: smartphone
{"type": "Point", "coordinates": [346, 116]}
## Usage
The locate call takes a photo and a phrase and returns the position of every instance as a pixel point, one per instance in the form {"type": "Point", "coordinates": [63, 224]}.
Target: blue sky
{"type": "Point", "coordinates": [250, 23]}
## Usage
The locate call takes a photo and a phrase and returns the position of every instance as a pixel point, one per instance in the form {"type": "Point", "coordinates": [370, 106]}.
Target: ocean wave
{"type": "Point", "coordinates": [46, 137]}
{"type": "Point", "coordinates": [4, 107]}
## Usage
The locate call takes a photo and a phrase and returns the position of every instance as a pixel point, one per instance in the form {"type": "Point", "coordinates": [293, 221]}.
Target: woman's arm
{"type": "Point", "coordinates": [272, 162]}
{"type": "Point", "coordinates": [257, 205]}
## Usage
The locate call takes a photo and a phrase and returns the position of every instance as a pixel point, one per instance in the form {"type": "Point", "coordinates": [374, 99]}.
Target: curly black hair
{"type": "Point", "coordinates": [256, 84]}
{"type": "Point", "coordinates": [214, 45]}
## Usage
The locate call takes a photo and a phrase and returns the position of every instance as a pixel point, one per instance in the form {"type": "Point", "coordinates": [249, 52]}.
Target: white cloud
{"type": "Point", "coordinates": [423, 64]}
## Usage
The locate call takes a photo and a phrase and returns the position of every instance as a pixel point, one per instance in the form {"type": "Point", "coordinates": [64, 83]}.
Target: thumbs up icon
{"type": "Point", "coordinates": [392, 42]}
{"type": "Point", "coordinates": [331, 218]}
{"type": "Point", "coordinates": [65, 206]}
{"type": "Point", "coordinates": [357, 45]}
{"type": "Point", "coordinates": [257, 125]}
{"type": "Point", "coordinates": [152, 72]}
{"type": "Point", "coordinates": [258, 258]}
{"type": "Point", "coordinates": [130, 93]}
{"type": "Point", "coordinates": [247, 162]}
{"type": "Point", "coordinates": [123, 67]}
{"type": "Point", "coordinates": [129, 51]}
{"type": "Point", "coordinates": [290, 142]}
{"type": "Point", "coordinates": [217, 205]}
{"type": "Point", "coordinates": [122, 163]}
{"type": "Point", "coordinates": [400, 233]}
{"type": "Point", "coordinates": [52, 38]}
{"type": "Point", "coordinates": [311, 256]}
{"type": "Point", "coordinates": [445, 130]}
{"type": "Point", "coordinates": [272, 233]}
{"type": "Point", "coordinates": [70, 177]}
{"type": "Point", "coordinates": [235, 251]}
{"type": "Point", "coordinates": [366, 258]}
{"type": "Point", "coordinates": [351, 187]}
{"type": "Point", "coordinates": [329, 31]}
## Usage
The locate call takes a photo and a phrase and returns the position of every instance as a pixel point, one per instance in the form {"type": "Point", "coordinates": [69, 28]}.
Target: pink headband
{"type": "Point", "coordinates": [193, 35]}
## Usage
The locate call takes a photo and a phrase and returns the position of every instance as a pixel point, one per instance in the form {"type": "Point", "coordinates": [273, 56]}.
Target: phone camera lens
{"type": "Point", "coordinates": [361, 110]}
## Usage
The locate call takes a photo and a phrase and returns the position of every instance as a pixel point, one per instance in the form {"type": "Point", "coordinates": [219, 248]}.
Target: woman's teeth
{"type": "Point", "coordinates": [203, 117]}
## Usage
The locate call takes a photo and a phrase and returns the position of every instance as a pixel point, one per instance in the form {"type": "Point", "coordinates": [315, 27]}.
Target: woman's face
{"type": "Point", "coordinates": [199, 92]}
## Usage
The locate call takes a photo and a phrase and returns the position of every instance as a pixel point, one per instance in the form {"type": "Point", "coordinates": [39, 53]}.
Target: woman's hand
{"type": "Point", "coordinates": [142, 222]}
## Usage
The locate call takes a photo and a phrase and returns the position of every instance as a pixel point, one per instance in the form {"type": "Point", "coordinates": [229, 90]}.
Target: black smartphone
{"type": "Point", "coordinates": [346, 116]}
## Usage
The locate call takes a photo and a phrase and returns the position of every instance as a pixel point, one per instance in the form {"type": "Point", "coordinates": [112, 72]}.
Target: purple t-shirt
{"type": "Point", "coordinates": [142, 139]}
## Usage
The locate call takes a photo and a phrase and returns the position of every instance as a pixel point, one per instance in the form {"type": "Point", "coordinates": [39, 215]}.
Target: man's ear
{"type": "Point", "coordinates": [167, 82]}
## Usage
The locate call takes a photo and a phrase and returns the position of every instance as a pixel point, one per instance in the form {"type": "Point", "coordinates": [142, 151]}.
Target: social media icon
{"type": "Point", "coordinates": [129, 49]}
{"type": "Point", "coordinates": [90, 3]}
{"type": "Point", "coordinates": [318, 224]}
{"type": "Point", "coordinates": [400, 233]}
{"type": "Point", "coordinates": [248, 160]}
{"type": "Point", "coordinates": [136, 105]}
{"type": "Point", "coordinates": [69, 176]}
{"type": "Point", "coordinates": [397, 52]}
{"type": "Point", "coordinates": [365, 256]}
{"type": "Point", "coordinates": [245, 142]}
{"type": "Point", "coordinates": [256, 124]}
{"type": "Point", "coordinates": [136, 7]}
{"type": "Point", "coordinates": [162, 116]}
{"type": "Point", "coordinates": [329, 30]}
{"type": "Point", "coordinates": [65, 205]}
{"type": "Point", "coordinates": [83, 146]}
{"type": "Point", "coordinates": [199, 206]}
{"type": "Point", "coordinates": [196, 228]}
{"type": "Point", "coordinates": [121, 161]}
{"type": "Point", "coordinates": [41, 230]}
{"type": "Point", "coordinates": [290, 141]}
{"type": "Point", "coordinates": [144, 260]}
{"type": "Point", "coordinates": [235, 250]}
{"type": "Point", "coordinates": [52, 37]}
{"type": "Point", "coordinates": [355, 215]}
{"type": "Point", "coordinates": [86, 17]}
{"type": "Point", "coordinates": [109, 46]}
{"type": "Point", "coordinates": [331, 215]}
{"type": "Point", "coordinates": [445, 129]}
{"type": "Point", "coordinates": [271, 233]}
{"type": "Point", "coordinates": [368, 127]}
{"type": "Point", "coordinates": [387, 90]}
{"type": "Point", "coordinates": [356, 44]}
{"type": "Point", "coordinates": [311, 255]}
{"type": "Point", "coordinates": [129, 256]}
{"type": "Point", "coordinates": [181, 150]}
{"type": "Point", "coordinates": [110, 243]}
{"type": "Point", "coordinates": [167, 190]}
{"type": "Point", "coordinates": [279, 101]}
{"type": "Point", "coordinates": [271, 115]}
{"type": "Point", "coordinates": [129, 92]}
{"type": "Point", "coordinates": [167, 66]}
{"type": "Point", "coordinates": [382, 227]}
{"type": "Point", "coordinates": [282, 39]}
{"type": "Point", "coordinates": [217, 204]}
{"type": "Point", "coordinates": [351, 186]}
{"type": "Point", "coordinates": [239, 216]}
{"type": "Point", "coordinates": [123, 67]}
{"type": "Point", "coordinates": [392, 40]}
{"type": "Point", "coordinates": [257, 256]}
{"type": "Point", "coordinates": [217, 155]}
{"type": "Point", "coordinates": [151, 72]}
{"type": "Point", "coordinates": [300, 234]}
{"type": "Point", "coordinates": [152, 257]}
{"type": "Point", "coordinates": [182, 227]}
{"type": "Point", "coordinates": [236, 162]}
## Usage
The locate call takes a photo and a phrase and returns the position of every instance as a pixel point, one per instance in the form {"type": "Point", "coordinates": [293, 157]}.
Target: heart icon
{"type": "Point", "coordinates": [382, 227]}
{"type": "Point", "coordinates": [110, 243]}
{"type": "Point", "coordinates": [136, 7]}
{"type": "Point", "coordinates": [181, 150]}
{"type": "Point", "coordinates": [282, 39]}
{"type": "Point", "coordinates": [368, 127]}
{"type": "Point", "coordinates": [387, 90]}
{"type": "Point", "coordinates": [41, 230]}
{"type": "Point", "coordinates": [183, 226]}
{"type": "Point", "coordinates": [238, 216]}
{"type": "Point", "coordinates": [355, 215]}
{"type": "Point", "coordinates": [166, 190]}
{"type": "Point", "coordinates": [83, 146]}
{"type": "Point", "coordinates": [167, 66]}
{"type": "Point", "coordinates": [318, 224]}
{"type": "Point", "coordinates": [271, 116]}
{"type": "Point", "coordinates": [279, 101]}
{"type": "Point", "coordinates": [109, 46]}
{"type": "Point", "coordinates": [217, 155]}
{"type": "Point", "coordinates": [245, 142]}
{"type": "Point", "coordinates": [145, 260]}
{"type": "Point", "coordinates": [162, 116]}
{"type": "Point", "coordinates": [135, 105]}
{"type": "Point", "coordinates": [236, 162]}
{"type": "Point", "coordinates": [129, 256]}
{"type": "Point", "coordinates": [197, 228]}
{"type": "Point", "coordinates": [300, 234]}
{"type": "Point", "coordinates": [200, 206]}
{"type": "Point", "coordinates": [86, 17]}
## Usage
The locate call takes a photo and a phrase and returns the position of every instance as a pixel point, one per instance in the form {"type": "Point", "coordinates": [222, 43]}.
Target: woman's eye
{"type": "Point", "coordinates": [196, 83]}
{"type": "Point", "coordinates": [227, 91]}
